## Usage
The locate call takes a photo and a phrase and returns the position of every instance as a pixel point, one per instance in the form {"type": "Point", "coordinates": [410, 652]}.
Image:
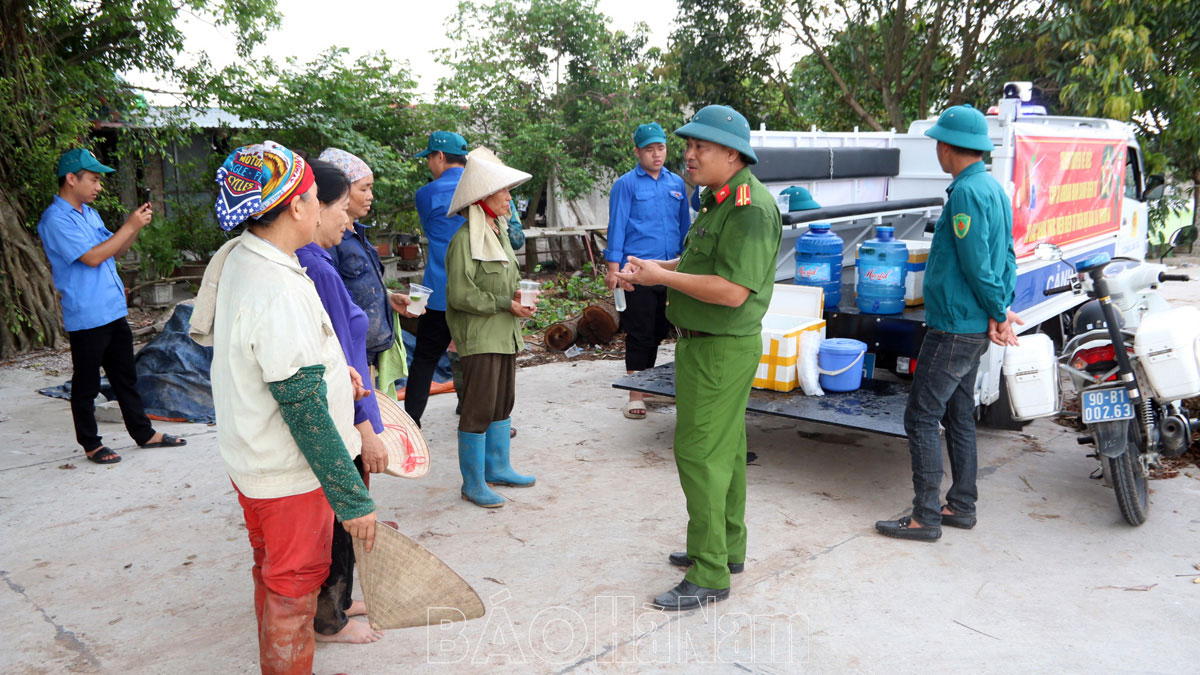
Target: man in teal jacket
{"type": "Point", "coordinates": [969, 282]}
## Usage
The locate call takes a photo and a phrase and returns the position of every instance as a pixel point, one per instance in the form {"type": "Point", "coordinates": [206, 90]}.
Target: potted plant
{"type": "Point", "coordinates": [159, 258]}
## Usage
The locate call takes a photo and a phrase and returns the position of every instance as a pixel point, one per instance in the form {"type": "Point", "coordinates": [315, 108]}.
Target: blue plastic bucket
{"type": "Point", "coordinates": [840, 362]}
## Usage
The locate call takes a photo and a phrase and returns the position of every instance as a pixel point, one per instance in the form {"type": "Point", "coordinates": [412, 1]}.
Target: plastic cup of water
{"type": "Point", "coordinates": [418, 295]}
{"type": "Point", "coordinates": [529, 292]}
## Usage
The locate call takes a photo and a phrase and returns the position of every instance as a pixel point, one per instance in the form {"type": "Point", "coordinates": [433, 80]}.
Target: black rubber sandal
{"type": "Point", "coordinates": [103, 455]}
{"type": "Point", "coordinates": [168, 441]}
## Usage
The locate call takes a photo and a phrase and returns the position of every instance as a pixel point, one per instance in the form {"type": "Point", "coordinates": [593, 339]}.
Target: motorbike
{"type": "Point", "coordinates": [1129, 425]}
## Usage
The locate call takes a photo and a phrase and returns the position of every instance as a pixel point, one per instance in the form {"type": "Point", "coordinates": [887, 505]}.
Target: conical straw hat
{"type": "Point", "coordinates": [485, 175]}
{"type": "Point", "coordinates": [405, 585]}
{"type": "Point", "coordinates": [408, 453]}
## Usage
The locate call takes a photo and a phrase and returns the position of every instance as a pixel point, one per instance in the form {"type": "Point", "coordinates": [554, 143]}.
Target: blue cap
{"type": "Point", "coordinates": [649, 133]}
{"type": "Point", "coordinates": [800, 199]}
{"type": "Point", "coordinates": [722, 125]}
{"type": "Point", "coordinates": [447, 142]}
{"type": "Point", "coordinates": [962, 126]}
{"type": "Point", "coordinates": [79, 159]}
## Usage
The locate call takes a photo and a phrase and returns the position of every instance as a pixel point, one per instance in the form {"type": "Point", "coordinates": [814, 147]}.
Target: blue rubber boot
{"type": "Point", "coordinates": [470, 463]}
{"type": "Point", "coordinates": [499, 471]}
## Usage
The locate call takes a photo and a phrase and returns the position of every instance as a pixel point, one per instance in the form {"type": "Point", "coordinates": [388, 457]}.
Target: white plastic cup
{"type": "Point", "coordinates": [619, 298]}
{"type": "Point", "coordinates": [529, 292]}
{"type": "Point", "coordinates": [418, 295]}
{"type": "Point", "coordinates": [784, 202]}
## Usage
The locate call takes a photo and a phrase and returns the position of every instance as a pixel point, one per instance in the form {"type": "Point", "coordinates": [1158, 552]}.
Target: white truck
{"type": "Point", "coordinates": [1075, 182]}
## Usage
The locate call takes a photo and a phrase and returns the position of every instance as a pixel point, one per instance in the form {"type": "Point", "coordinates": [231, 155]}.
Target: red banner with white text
{"type": "Point", "coordinates": [1067, 189]}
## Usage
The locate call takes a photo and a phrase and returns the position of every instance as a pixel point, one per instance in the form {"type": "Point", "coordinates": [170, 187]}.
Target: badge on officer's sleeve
{"type": "Point", "coordinates": [962, 223]}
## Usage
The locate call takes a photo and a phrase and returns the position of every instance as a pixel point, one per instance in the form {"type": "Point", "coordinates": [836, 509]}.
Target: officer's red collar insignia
{"type": "Point", "coordinates": [722, 194]}
{"type": "Point", "coordinates": [743, 195]}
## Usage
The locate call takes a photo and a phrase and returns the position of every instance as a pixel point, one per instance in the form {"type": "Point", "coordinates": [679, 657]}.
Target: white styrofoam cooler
{"type": "Point", "coordinates": [793, 311]}
{"type": "Point", "coordinates": [1168, 348]}
{"type": "Point", "coordinates": [1031, 373]}
{"type": "Point", "coordinates": [778, 367]}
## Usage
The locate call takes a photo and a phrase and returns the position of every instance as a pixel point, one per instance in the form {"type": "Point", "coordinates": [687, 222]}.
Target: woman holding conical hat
{"type": "Point", "coordinates": [284, 396]}
{"type": "Point", "coordinates": [484, 316]}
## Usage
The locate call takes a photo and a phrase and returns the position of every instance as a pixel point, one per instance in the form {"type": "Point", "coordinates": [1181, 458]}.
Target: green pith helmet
{"type": "Point", "coordinates": [962, 126]}
{"type": "Point", "coordinates": [722, 125]}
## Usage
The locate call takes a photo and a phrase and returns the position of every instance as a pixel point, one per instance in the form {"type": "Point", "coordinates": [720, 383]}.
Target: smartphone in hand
{"type": "Point", "coordinates": [143, 195]}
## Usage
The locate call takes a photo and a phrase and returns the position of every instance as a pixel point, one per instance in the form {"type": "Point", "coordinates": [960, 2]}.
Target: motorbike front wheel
{"type": "Point", "coordinates": [1129, 480]}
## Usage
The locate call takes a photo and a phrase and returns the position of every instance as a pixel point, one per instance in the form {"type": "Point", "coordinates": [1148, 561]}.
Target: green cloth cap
{"type": "Point", "coordinates": [447, 142]}
{"type": "Point", "coordinates": [79, 159]}
{"type": "Point", "coordinates": [649, 133]}
{"type": "Point", "coordinates": [800, 199]}
{"type": "Point", "coordinates": [721, 124]}
{"type": "Point", "coordinates": [962, 126]}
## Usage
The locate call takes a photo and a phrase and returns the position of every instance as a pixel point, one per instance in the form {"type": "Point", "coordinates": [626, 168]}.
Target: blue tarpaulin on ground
{"type": "Point", "coordinates": [173, 373]}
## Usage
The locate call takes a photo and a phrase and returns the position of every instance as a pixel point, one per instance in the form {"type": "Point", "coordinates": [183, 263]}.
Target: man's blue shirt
{"type": "Point", "coordinates": [433, 200]}
{"type": "Point", "coordinates": [91, 296]}
{"type": "Point", "coordinates": [358, 263]}
{"type": "Point", "coordinates": [647, 218]}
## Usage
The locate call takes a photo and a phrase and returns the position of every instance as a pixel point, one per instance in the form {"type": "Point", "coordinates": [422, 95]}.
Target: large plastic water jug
{"type": "Point", "coordinates": [882, 267]}
{"type": "Point", "coordinates": [819, 262]}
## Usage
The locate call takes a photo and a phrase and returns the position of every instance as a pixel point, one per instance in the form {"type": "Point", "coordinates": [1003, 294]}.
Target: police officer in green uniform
{"type": "Point", "coordinates": [969, 282]}
{"type": "Point", "coordinates": [718, 291]}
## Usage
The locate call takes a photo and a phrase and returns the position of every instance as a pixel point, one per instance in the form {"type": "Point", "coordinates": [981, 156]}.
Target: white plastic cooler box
{"type": "Point", "coordinates": [793, 312]}
{"type": "Point", "coordinates": [1168, 348]}
{"type": "Point", "coordinates": [1031, 373]}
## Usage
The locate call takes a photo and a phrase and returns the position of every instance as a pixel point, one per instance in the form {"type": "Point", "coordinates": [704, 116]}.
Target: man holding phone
{"type": "Point", "coordinates": [82, 254]}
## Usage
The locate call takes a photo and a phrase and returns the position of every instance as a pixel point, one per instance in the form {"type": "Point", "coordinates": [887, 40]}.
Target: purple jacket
{"type": "Point", "coordinates": [350, 323]}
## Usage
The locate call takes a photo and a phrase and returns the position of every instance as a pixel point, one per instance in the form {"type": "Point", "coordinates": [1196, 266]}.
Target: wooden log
{"type": "Point", "coordinates": [599, 323]}
{"type": "Point", "coordinates": [562, 335]}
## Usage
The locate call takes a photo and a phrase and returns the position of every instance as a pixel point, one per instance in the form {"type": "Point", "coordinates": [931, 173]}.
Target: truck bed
{"type": "Point", "coordinates": [877, 407]}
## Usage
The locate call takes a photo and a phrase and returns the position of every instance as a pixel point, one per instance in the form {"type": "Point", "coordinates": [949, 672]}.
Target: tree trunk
{"type": "Point", "coordinates": [563, 334]}
{"type": "Point", "coordinates": [28, 301]}
{"type": "Point", "coordinates": [600, 323]}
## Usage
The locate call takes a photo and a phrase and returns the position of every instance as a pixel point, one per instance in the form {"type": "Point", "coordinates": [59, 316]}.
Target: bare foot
{"type": "Point", "coordinates": [354, 632]}
{"type": "Point", "coordinates": [357, 608]}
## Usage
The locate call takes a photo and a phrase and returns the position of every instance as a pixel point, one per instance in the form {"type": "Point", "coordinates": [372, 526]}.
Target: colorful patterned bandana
{"type": "Point", "coordinates": [352, 166]}
{"type": "Point", "coordinates": [256, 178]}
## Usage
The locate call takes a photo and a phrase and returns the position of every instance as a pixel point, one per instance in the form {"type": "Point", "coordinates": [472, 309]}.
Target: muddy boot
{"type": "Point", "coordinates": [470, 463]}
{"type": "Point", "coordinates": [498, 471]}
{"type": "Point", "coordinates": [286, 641]}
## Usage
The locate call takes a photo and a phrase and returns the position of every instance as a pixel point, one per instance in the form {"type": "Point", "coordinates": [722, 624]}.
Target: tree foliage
{"type": "Point", "coordinates": [1138, 61]}
{"type": "Point", "coordinates": [365, 107]}
{"type": "Point", "coordinates": [60, 62]}
{"type": "Point", "coordinates": [553, 90]}
{"type": "Point", "coordinates": [727, 52]}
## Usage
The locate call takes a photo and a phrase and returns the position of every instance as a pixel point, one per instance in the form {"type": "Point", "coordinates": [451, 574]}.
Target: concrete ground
{"type": "Point", "coordinates": [143, 567]}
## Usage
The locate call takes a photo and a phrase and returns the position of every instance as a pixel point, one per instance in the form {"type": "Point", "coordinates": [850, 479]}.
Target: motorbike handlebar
{"type": "Point", "coordinates": [1163, 276]}
{"type": "Point", "coordinates": [1060, 289]}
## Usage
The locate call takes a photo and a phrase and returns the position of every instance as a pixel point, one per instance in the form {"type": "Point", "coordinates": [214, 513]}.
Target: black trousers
{"type": "Point", "coordinates": [109, 346]}
{"type": "Point", "coordinates": [334, 598]}
{"type": "Point", "coordinates": [433, 336]}
{"type": "Point", "coordinates": [489, 390]}
{"type": "Point", "coordinates": [645, 323]}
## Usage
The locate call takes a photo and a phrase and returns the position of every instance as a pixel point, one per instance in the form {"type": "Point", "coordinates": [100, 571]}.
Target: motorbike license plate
{"type": "Point", "coordinates": [1106, 405]}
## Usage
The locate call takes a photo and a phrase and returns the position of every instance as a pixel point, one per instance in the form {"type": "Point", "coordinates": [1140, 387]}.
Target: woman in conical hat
{"type": "Point", "coordinates": [484, 312]}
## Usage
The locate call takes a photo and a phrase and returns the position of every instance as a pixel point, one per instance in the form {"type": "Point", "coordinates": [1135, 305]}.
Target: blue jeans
{"type": "Point", "coordinates": [943, 391]}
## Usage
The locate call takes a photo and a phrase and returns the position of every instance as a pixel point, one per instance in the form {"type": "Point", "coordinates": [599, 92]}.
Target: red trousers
{"type": "Point", "coordinates": [290, 537]}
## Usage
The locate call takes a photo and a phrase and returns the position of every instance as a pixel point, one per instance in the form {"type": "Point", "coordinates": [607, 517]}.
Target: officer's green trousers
{"type": "Point", "coordinates": [712, 385]}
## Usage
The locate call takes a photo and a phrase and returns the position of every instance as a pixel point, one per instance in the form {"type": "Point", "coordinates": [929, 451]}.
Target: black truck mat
{"type": "Point", "coordinates": [876, 407]}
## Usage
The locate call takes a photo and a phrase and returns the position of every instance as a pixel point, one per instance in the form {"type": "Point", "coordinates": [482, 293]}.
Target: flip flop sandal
{"type": "Point", "coordinates": [168, 441]}
{"type": "Point", "coordinates": [103, 455]}
{"type": "Point", "coordinates": [635, 410]}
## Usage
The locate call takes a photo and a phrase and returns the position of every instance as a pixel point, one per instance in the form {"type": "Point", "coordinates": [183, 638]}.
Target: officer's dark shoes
{"type": "Point", "coordinates": [680, 559]}
{"type": "Point", "coordinates": [963, 522]}
{"type": "Point", "coordinates": [900, 529]}
{"type": "Point", "coordinates": [687, 596]}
